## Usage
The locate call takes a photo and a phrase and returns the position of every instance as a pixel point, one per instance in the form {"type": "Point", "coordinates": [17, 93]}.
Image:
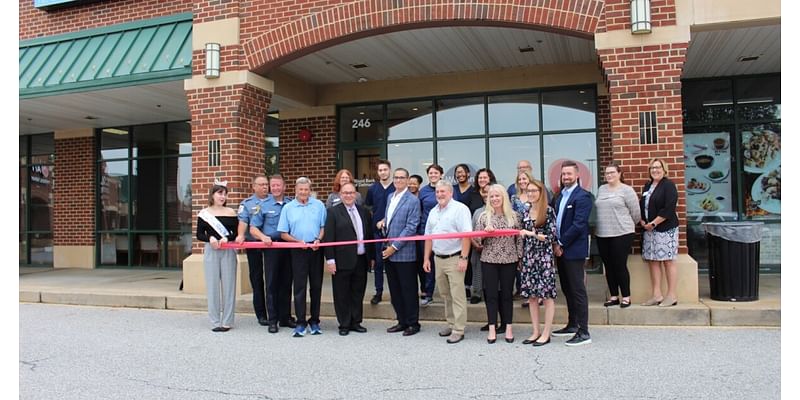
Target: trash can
{"type": "Point", "coordinates": [734, 258]}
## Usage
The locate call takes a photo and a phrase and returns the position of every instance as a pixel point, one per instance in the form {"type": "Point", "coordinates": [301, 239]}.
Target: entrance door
{"type": "Point", "coordinates": [363, 163]}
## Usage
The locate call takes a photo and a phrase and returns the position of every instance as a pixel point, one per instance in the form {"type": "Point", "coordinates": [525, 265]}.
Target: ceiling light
{"type": "Point", "coordinates": [747, 58]}
{"type": "Point", "coordinates": [115, 131]}
{"type": "Point", "coordinates": [526, 49]}
{"type": "Point", "coordinates": [755, 100]}
{"type": "Point", "coordinates": [581, 91]}
{"type": "Point", "coordinates": [359, 66]}
{"type": "Point", "coordinates": [714, 103]}
{"type": "Point", "coordinates": [361, 79]}
{"type": "Point", "coordinates": [89, 117]}
{"type": "Point", "coordinates": [415, 109]}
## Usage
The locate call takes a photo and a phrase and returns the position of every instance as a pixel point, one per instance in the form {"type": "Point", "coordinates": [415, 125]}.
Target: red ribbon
{"type": "Point", "coordinates": [296, 245]}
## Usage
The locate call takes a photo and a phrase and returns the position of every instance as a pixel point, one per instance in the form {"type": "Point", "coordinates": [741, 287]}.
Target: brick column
{"type": "Point", "coordinates": [73, 231]}
{"type": "Point", "coordinates": [315, 159]}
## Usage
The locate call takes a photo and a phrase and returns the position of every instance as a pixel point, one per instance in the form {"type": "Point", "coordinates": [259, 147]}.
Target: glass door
{"type": "Point", "coordinates": [363, 163]}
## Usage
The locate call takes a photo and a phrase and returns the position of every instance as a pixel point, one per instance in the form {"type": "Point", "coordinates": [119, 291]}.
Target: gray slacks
{"type": "Point", "coordinates": [220, 273]}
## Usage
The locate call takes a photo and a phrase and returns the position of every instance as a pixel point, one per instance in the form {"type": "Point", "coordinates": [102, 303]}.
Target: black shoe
{"type": "Point", "coordinates": [411, 330]}
{"type": "Point", "coordinates": [565, 331]}
{"type": "Point", "coordinates": [579, 339]}
{"type": "Point", "coordinates": [624, 303]}
{"type": "Point", "coordinates": [529, 341]}
{"type": "Point", "coordinates": [526, 304]}
{"type": "Point", "coordinates": [469, 293]}
{"type": "Point", "coordinates": [358, 328]}
{"type": "Point", "coordinates": [396, 328]}
{"type": "Point", "coordinates": [509, 340]}
{"type": "Point", "coordinates": [501, 328]}
{"type": "Point", "coordinates": [344, 331]}
{"type": "Point", "coordinates": [475, 300]}
{"type": "Point", "coordinates": [453, 339]}
{"type": "Point", "coordinates": [610, 303]}
{"type": "Point", "coordinates": [288, 324]}
{"type": "Point", "coordinates": [273, 328]}
{"type": "Point", "coordinates": [485, 328]}
{"type": "Point", "coordinates": [377, 298]}
{"type": "Point", "coordinates": [263, 321]}
{"type": "Point", "coordinates": [491, 341]}
{"type": "Point", "coordinates": [220, 329]}
{"type": "Point", "coordinates": [537, 343]}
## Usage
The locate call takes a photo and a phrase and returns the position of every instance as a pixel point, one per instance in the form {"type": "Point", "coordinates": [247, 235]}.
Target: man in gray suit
{"type": "Point", "coordinates": [402, 218]}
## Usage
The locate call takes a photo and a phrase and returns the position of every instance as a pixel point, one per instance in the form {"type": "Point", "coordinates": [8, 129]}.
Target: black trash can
{"type": "Point", "coordinates": [734, 250]}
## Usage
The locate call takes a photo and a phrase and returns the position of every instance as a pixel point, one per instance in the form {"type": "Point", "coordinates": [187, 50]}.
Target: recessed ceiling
{"type": "Point", "coordinates": [715, 53]}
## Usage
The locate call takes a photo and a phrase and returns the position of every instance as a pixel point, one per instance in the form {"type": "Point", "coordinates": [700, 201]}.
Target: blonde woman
{"type": "Point", "coordinates": [499, 259]}
{"type": "Point", "coordinates": [538, 263]}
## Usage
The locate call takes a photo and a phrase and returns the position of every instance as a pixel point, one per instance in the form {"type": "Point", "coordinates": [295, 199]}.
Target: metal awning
{"type": "Point", "coordinates": [136, 53]}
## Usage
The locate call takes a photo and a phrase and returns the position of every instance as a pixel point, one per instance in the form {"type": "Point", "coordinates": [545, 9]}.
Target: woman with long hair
{"type": "Point", "coordinates": [342, 177]}
{"type": "Point", "coordinates": [538, 275]}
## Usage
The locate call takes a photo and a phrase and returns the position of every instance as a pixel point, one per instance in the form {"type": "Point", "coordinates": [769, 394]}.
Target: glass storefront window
{"type": "Point", "coordinates": [147, 250]}
{"type": "Point", "coordinates": [460, 117]}
{"type": "Point", "coordinates": [114, 249]}
{"type": "Point", "coordinates": [514, 113]}
{"type": "Point", "coordinates": [114, 183]}
{"type": "Point", "coordinates": [36, 198]}
{"type": "Point", "coordinates": [761, 156]}
{"type": "Point", "coordinates": [578, 147]}
{"type": "Point", "coordinates": [179, 193]}
{"type": "Point", "coordinates": [415, 157]}
{"type": "Point", "coordinates": [758, 98]}
{"type": "Point", "coordinates": [41, 197]}
{"type": "Point", "coordinates": [707, 101]}
{"type": "Point", "coordinates": [41, 248]}
{"type": "Point", "coordinates": [146, 187]}
{"type": "Point", "coordinates": [568, 109]}
{"type": "Point", "coordinates": [361, 123]}
{"type": "Point", "coordinates": [148, 140]}
{"type": "Point", "coordinates": [114, 143]}
{"type": "Point", "coordinates": [468, 151]}
{"type": "Point", "coordinates": [179, 138]}
{"type": "Point", "coordinates": [412, 120]}
{"type": "Point", "coordinates": [504, 153]}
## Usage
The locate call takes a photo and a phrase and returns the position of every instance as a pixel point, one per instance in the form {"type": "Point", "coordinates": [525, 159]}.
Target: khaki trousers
{"type": "Point", "coordinates": [450, 283]}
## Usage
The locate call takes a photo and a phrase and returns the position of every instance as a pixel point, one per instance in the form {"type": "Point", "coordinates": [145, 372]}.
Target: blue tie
{"type": "Point", "coordinates": [563, 203]}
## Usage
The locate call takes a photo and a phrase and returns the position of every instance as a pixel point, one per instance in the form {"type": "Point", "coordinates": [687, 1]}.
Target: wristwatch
{"type": "Point", "coordinates": [460, 257]}
{"type": "Point", "coordinates": [653, 224]}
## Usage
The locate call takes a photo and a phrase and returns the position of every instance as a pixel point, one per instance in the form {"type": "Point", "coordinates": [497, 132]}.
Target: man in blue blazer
{"type": "Point", "coordinates": [402, 218]}
{"type": "Point", "coordinates": [573, 206]}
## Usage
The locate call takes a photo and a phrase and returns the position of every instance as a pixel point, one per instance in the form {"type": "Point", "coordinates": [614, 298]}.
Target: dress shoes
{"type": "Point", "coordinates": [501, 328]}
{"type": "Point", "coordinates": [625, 303]}
{"type": "Point", "coordinates": [263, 321]}
{"type": "Point", "coordinates": [668, 302]}
{"type": "Point", "coordinates": [288, 324]}
{"type": "Point", "coordinates": [273, 328]}
{"type": "Point", "coordinates": [377, 298]}
{"type": "Point", "coordinates": [491, 341]}
{"type": "Point", "coordinates": [344, 331]}
{"type": "Point", "coordinates": [529, 341]}
{"type": "Point", "coordinates": [455, 338]}
{"type": "Point", "coordinates": [510, 339]}
{"type": "Point", "coordinates": [445, 332]}
{"type": "Point", "coordinates": [358, 328]}
{"type": "Point", "coordinates": [537, 343]}
{"type": "Point", "coordinates": [396, 328]}
{"type": "Point", "coordinates": [411, 330]}
{"type": "Point", "coordinates": [612, 302]}
{"type": "Point", "coordinates": [221, 329]}
{"type": "Point", "coordinates": [565, 331]}
{"type": "Point", "coordinates": [485, 328]}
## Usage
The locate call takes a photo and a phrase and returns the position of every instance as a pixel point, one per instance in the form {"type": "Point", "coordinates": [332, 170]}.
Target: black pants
{"type": "Point", "coordinates": [349, 286]}
{"type": "Point", "coordinates": [402, 280]}
{"type": "Point", "coordinates": [279, 284]}
{"type": "Point", "coordinates": [307, 268]}
{"type": "Point", "coordinates": [502, 274]}
{"type": "Point", "coordinates": [570, 274]}
{"type": "Point", "coordinates": [614, 252]}
{"type": "Point", "coordinates": [255, 263]}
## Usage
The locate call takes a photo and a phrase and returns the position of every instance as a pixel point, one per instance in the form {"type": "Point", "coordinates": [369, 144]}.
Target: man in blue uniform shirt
{"type": "Point", "coordinates": [249, 208]}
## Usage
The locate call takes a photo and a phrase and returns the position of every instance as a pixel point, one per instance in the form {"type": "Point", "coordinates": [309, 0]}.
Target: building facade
{"type": "Point", "coordinates": [130, 109]}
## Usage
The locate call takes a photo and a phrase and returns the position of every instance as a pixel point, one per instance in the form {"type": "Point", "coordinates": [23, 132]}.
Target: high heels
{"type": "Point", "coordinates": [510, 339]}
{"type": "Point", "coordinates": [491, 341]}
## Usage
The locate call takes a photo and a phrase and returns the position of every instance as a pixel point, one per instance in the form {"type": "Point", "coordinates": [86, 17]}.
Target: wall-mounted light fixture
{"type": "Point", "coordinates": [640, 17]}
{"type": "Point", "coordinates": [212, 60]}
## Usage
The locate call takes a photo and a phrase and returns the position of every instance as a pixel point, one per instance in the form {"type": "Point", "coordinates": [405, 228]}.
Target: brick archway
{"type": "Point", "coordinates": [330, 26]}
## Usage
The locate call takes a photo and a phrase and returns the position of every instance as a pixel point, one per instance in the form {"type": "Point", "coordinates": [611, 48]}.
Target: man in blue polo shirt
{"type": "Point", "coordinates": [278, 271]}
{"type": "Point", "coordinates": [376, 202]}
{"type": "Point", "coordinates": [303, 221]}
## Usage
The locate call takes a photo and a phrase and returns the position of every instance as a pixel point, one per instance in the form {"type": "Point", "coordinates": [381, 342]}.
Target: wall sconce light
{"type": "Point", "coordinates": [304, 135]}
{"type": "Point", "coordinates": [212, 60]}
{"type": "Point", "coordinates": [640, 17]}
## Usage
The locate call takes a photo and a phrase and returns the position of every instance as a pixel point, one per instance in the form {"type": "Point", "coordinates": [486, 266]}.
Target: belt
{"type": "Point", "coordinates": [458, 253]}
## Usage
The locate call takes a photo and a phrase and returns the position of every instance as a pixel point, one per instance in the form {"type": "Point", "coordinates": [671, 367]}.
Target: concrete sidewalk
{"type": "Point", "coordinates": [159, 289]}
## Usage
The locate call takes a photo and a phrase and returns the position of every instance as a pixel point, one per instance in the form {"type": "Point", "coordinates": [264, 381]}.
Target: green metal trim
{"type": "Point", "coordinates": [108, 29]}
{"type": "Point", "coordinates": [108, 83]}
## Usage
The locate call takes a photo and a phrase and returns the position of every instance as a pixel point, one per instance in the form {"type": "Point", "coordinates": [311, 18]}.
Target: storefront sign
{"type": "Point", "coordinates": [761, 155]}
{"type": "Point", "coordinates": [707, 157]}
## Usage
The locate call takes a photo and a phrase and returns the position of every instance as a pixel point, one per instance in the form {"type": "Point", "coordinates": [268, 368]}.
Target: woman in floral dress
{"type": "Point", "coordinates": [538, 263]}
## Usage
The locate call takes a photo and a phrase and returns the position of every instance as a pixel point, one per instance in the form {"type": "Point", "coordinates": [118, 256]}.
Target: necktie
{"type": "Point", "coordinates": [561, 205]}
{"type": "Point", "coordinates": [357, 225]}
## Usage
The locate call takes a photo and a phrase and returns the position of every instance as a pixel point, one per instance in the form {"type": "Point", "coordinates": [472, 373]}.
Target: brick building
{"type": "Point", "coordinates": [119, 105]}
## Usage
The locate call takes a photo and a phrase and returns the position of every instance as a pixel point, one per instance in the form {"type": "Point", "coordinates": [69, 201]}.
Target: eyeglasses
{"type": "Point", "coordinates": [400, 177]}
{"type": "Point", "coordinates": [347, 193]}
{"type": "Point", "coordinates": [533, 190]}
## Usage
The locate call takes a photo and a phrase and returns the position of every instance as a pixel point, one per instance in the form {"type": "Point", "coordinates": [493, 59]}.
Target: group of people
{"type": "Point", "coordinates": [553, 238]}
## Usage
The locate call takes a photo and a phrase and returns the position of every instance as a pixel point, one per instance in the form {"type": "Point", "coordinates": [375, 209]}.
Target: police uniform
{"type": "Point", "coordinates": [249, 208]}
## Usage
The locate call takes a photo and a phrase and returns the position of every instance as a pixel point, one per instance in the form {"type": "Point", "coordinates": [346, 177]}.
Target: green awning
{"type": "Point", "coordinates": [135, 53]}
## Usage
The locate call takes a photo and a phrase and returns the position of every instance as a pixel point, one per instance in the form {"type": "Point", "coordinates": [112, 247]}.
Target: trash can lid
{"type": "Point", "coordinates": [742, 232]}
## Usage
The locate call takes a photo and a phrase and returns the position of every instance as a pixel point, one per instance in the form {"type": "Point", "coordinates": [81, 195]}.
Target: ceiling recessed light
{"type": "Point", "coordinates": [527, 49]}
{"type": "Point", "coordinates": [415, 109]}
{"type": "Point", "coordinates": [361, 113]}
{"type": "Point", "coordinates": [89, 117]}
{"type": "Point", "coordinates": [581, 91]}
{"type": "Point", "coordinates": [747, 58]}
{"type": "Point", "coordinates": [359, 66]}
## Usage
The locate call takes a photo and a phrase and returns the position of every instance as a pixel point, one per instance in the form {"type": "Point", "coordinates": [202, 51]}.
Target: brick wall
{"type": "Point", "coordinates": [34, 22]}
{"type": "Point", "coordinates": [643, 79]}
{"type": "Point", "coordinates": [235, 115]}
{"type": "Point", "coordinates": [605, 151]}
{"type": "Point", "coordinates": [617, 14]}
{"type": "Point", "coordinates": [74, 193]}
{"type": "Point", "coordinates": [315, 159]}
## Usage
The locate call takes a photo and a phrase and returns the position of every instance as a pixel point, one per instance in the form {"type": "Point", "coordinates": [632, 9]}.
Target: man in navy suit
{"type": "Point", "coordinates": [348, 265]}
{"type": "Point", "coordinates": [573, 206]}
{"type": "Point", "coordinates": [402, 218]}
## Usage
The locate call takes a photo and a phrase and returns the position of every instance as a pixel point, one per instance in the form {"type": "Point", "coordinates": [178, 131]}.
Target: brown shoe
{"type": "Point", "coordinates": [455, 338]}
{"type": "Point", "coordinates": [668, 302]}
{"type": "Point", "coordinates": [445, 332]}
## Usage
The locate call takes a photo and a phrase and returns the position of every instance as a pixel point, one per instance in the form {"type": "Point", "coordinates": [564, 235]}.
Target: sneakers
{"type": "Point", "coordinates": [299, 330]}
{"type": "Point", "coordinates": [565, 331]}
{"type": "Point", "coordinates": [426, 301]}
{"type": "Point", "coordinates": [314, 329]}
{"type": "Point", "coordinates": [579, 339]}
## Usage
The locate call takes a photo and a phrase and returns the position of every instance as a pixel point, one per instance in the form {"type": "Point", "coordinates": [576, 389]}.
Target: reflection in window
{"type": "Point", "coordinates": [504, 153]}
{"type": "Point", "coordinates": [460, 117]}
{"type": "Point", "coordinates": [147, 191]}
{"type": "Point", "coordinates": [468, 151]}
{"type": "Point", "coordinates": [361, 123]}
{"type": "Point", "coordinates": [179, 138]}
{"type": "Point", "coordinates": [758, 98]}
{"type": "Point", "coordinates": [514, 113]}
{"type": "Point", "coordinates": [41, 197]}
{"type": "Point", "coordinates": [705, 101]}
{"type": "Point", "coordinates": [114, 143]}
{"type": "Point", "coordinates": [415, 157]}
{"type": "Point", "coordinates": [148, 140]}
{"type": "Point", "coordinates": [41, 248]}
{"type": "Point", "coordinates": [36, 198]}
{"type": "Point", "coordinates": [114, 182]}
{"type": "Point", "coordinates": [412, 120]}
{"type": "Point", "coordinates": [578, 147]}
{"type": "Point", "coordinates": [569, 109]}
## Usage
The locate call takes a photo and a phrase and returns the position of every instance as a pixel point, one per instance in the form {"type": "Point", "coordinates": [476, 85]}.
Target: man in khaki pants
{"type": "Point", "coordinates": [452, 257]}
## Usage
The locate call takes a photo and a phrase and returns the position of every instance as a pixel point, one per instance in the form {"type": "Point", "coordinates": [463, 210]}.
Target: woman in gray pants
{"type": "Point", "coordinates": [217, 224]}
